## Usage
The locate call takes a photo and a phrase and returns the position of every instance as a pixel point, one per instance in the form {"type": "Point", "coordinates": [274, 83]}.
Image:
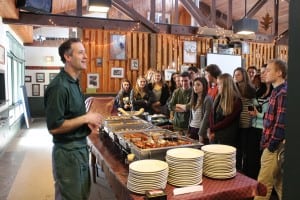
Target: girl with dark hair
{"type": "Point", "coordinates": [174, 82]}
{"type": "Point", "coordinates": [201, 104]}
{"type": "Point", "coordinates": [247, 92]}
{"type": "Point", "coordinates": [122, 99]}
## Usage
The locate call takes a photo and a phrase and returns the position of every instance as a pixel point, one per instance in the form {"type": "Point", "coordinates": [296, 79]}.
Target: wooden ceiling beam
{"type": "Point", "coordinates": [130, 12]}
{"type": "Point", "coordinates": [221, 18]}
{"type": "Point", "coordinates": [196, 13]}
{"type": "Point", "coordinates": [276, 16]}
{"type": "Point", "coordinates": [257, 6]}
{"type": "Point", "coordinates": [94, 23]}
{"type": "Point", "coordinates": [8, 9]}
{"type": "Point", "coordinates": [73, 21]}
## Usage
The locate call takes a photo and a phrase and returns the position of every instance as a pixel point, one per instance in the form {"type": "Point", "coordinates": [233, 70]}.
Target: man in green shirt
{"type": "Point", "coordinates": [179, 97]}
{"type": "Point", "coordinates": [69, 124]}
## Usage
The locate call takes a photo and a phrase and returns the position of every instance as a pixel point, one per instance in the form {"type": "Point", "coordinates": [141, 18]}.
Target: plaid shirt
{"type": "Point", "coordinates": [274, 119]}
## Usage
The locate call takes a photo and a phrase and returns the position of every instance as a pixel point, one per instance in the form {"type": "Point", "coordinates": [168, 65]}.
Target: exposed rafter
{"type": "Point", "coordinates": [257, 6]}
{"type": "Point", "coordinates": [220, 17]}
{"type": "Point", "coordinates": [130, 12]}
{"type": "Point", "coordinates": [73, 21]}
{"type": "Point", "coordinates": [195, 12]}
{"type": "Point", "coordinates": [95, 23]}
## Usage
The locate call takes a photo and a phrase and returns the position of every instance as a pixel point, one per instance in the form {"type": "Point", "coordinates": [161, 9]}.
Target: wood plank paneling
{"type": "Point", "coordinates": [168, 49]}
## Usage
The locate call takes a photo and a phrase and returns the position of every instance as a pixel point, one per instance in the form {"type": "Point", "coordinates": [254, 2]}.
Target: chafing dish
{"type": "Point", "coordinates": [153, 143]}
{"type": "Point", "coordinates": [122, 122]}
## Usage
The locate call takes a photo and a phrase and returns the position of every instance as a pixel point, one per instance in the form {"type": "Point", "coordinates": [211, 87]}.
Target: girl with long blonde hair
{"type": "Point", "coordinates": [225, 115]}
{"type": "Point", "coordinates": [141, 96]}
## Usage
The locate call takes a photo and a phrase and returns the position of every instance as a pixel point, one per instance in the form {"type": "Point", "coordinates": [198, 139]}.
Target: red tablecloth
{"type": "Point", "coordinates": [240, 187]}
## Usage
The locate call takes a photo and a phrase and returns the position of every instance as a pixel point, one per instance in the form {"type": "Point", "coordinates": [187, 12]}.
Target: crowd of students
{"type": "Point", "coordinates": [246, 110]}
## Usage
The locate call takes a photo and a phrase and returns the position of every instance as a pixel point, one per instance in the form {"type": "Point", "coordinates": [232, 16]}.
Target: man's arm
{"type": "Point", "coordinates": [91, 118]}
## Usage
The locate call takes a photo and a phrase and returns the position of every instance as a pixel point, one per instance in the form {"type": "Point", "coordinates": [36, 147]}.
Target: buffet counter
{"type": "Point", "coordinates": [116, 172]}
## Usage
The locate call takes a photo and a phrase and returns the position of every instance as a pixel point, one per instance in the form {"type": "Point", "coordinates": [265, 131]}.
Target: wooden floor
{"type": "Point", "coordinates": [25, 168]}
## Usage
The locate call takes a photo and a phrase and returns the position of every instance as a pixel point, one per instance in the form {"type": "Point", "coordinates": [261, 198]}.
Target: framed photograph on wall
{"type": "Point", "coordinates": [117, 47]}
{"type": "Point", "coordinates": [168, 74]}
{"type": "Point", "coordinates": [28, 79]}
{"type": "Point", "coordinates": [35, 89]}
{"type": "Point", "coordinates": [99, 62]}
{"type": "Point", "coordinates": [184, 68]}
{"type": "Point", "coordinates": [2, 55]}
{"type": "Point", "coordinates": [40, 77]}
{"type": "Point", "coordinates": [93, 80]}
{"type": "Point", "coordinates": [189, 52]}
{"type": "Point", "coordinates": [117, 72]}
{"type": "Point", "coordinates": [52, 76]}
{"type": "Point", "coordinates": [134, 64]}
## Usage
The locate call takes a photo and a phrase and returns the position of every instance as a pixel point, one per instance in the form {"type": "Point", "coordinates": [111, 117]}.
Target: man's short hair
{"type": "Point", "coordinates": [281, 66]}
{"type": "Point", "coordinates": [214, 70]}
{"type": "Point", "coordinates": [251, 67]}
{"type": "Point", "coordinates": [185, 74]}
{"type": "Point", "coordinates": [194, 69]}
{"type": "Point", "coordinates": [65, 47]}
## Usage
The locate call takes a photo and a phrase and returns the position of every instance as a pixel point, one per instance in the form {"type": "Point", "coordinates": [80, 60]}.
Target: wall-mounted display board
{"type": "Point", "coordinates": [227, 63]}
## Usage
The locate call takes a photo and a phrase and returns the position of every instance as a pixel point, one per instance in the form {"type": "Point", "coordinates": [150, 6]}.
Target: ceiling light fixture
{"type": "Point", "coordinates": [99, 5]}
{"type": "Point", "coordinates": [245, 26]}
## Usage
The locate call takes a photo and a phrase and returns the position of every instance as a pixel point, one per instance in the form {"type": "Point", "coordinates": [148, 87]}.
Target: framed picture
{"type": "Point", "coordinates": [28, 79]}
{"type": "Point", "coordinates": [117, 47]}
{"type": "Point", "coordinates": [52, 76]}
{"type": "Point", "coordinates": [35, 89]}
{"type": "Point", "coordinates": [134, 64]}
{"type": "Point", "coordinates": [190, 52]}
{"type": "Point", "coordinates": [40, 77]}
{"type": "Point", "coordinates": [99, 62]}
{"type": "Point", "coordinates": [184, 68]}
{"type": "Point", "coordinates": [2, 55]}
{"type": "Point", "coordinates": [117, 72]}
{"type": "Point", "coordinates": [168, 74]}
{"type": "Point", "coordinates": [93, 80]}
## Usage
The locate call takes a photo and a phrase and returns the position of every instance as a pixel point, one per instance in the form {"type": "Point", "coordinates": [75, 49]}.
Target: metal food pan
{"type": "Point", "coordinates": [158, 152]}
{"type": "Point", "coordinates": [112, 118]}
{"type": "Point", "coordinates": [122, 122]}
{"type": "Point", "coordinates": [129, 127]}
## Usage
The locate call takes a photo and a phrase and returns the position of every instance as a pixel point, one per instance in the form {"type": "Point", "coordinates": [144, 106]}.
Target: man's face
{"type": "Point", "coordinates": [272, 74]}
{"type": "Point", "coordinates": [185, 82]}
{"type": "Point", "coordinates": [78, 58]}
{"type": "Point", "coordinates": [193, 74]}
{"type": "Point", "coordinates": [208, 77]}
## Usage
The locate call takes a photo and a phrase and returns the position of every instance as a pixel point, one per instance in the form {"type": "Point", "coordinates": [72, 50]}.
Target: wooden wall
{"type": "Point", "coordinates": [159, 51]}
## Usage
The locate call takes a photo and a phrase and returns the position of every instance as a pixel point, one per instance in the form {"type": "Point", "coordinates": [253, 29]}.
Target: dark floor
{"type": "Point", "coordinates": [20, 179]}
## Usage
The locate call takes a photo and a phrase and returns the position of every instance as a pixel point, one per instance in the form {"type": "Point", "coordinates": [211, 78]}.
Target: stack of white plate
{"type": "Point", "coordinates": [185, 166]}
{"type": "Point", "coordinates": [147, 175]}
{"type": "Point", "coordinates": [219, 161]}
